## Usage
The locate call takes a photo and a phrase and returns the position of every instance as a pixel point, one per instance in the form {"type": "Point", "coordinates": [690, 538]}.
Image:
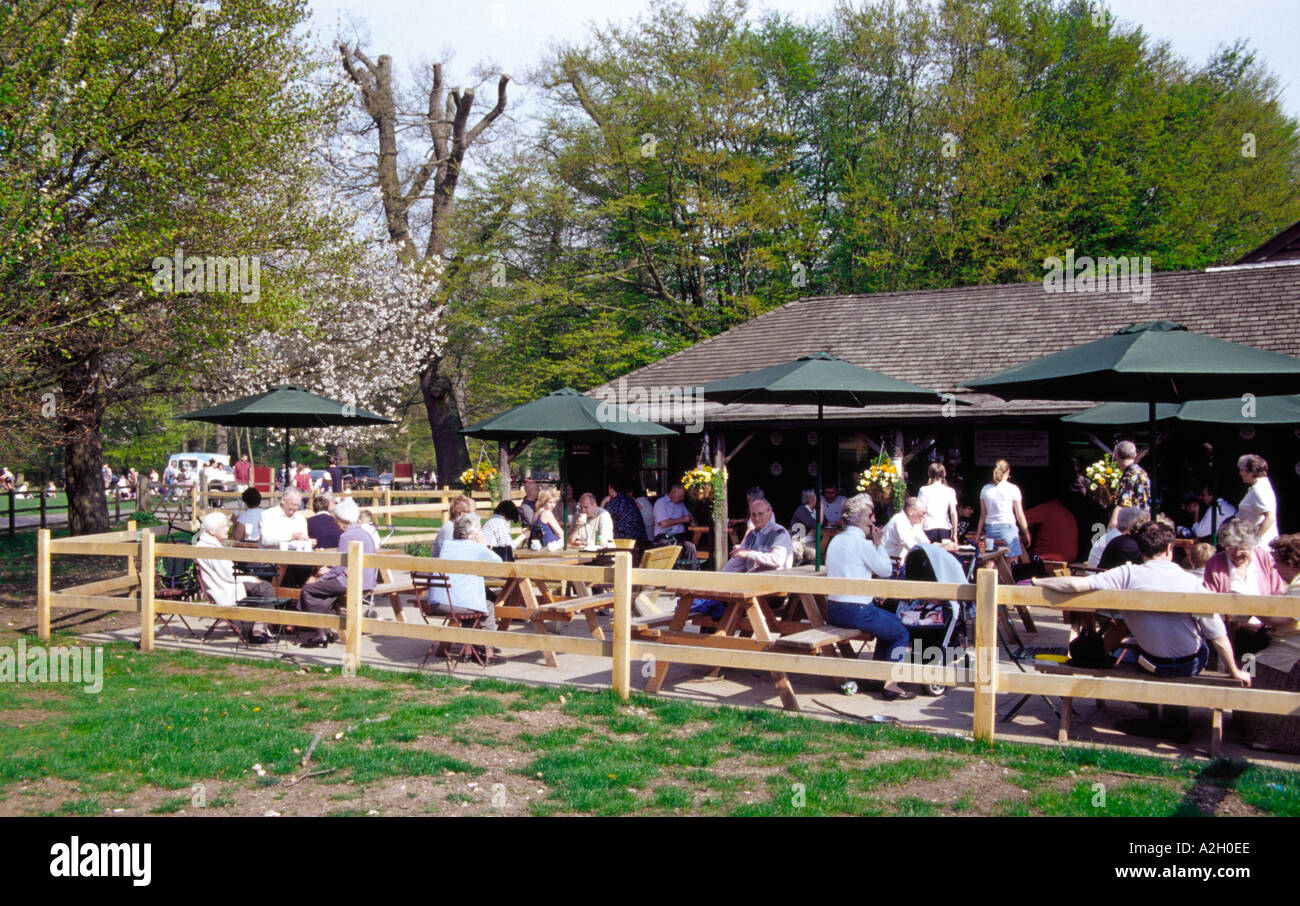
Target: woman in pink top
{"type": "Point", "coordinates": [1241, 568]}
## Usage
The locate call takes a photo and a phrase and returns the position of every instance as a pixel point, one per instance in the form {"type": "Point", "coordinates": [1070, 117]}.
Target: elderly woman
{"type": "Point", "coordinates": [459, 507]}
{"type": "Point", "coordinates": [323, 592]}
{"type": "Point", "coordinates": [219, 579]}
{"type": "Point", "coordinates": [855, 554]}
{"type": "Point", "coordinates": [1259, 507]}
{"type": "Point", "coordinates": [468, 592]}
{"type": "Point", "coordinates": [1243, 568]}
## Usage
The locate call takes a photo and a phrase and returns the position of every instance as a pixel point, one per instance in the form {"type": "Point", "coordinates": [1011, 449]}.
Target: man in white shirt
{"type": "Point", "coordinates": [832, 505]}
{"type": "Point", "coordinates": [853, 555]}
{"type": "Point", "coordinates": [671, 519]}
{"type": "Point", "coordinates": [285, 522]}
{"type": "Point", "coordinates": [594, 526]}
{"type": "Point", "coordinates": [1207, 524]}
{"type": "Point", "coordinates": [904, 532]}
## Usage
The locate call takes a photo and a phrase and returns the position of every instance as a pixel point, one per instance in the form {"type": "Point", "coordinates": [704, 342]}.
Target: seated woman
{"type": "Point", "coordinates": [496, 531]}
{"type": "Point", "coordinates": [552, 535]}
{"type": "Point", "coordinates": [855, 554]}
{"type": "Point", "coordinates": [219, 579]}
{"type": "Point", "coordinates": [1244, 569]}
{"type": "Point", "coordinates": [1286, 558]}
{"type": "Point", "coordinates": [321, 527]}
{"type": "Point", "coordinates": [468, 592]}
{"type": "Point", "coordinates": [248, 522]}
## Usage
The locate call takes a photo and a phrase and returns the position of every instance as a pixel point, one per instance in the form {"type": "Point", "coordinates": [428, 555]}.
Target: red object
{"type": "Point", "coordinates": [303, 481]}
{"type": "Point", "coordinates": [262, 478]}
{"type": "Point", "coordinates": [402, 471]}
{"type": "Point", "coordinates": [241, 471]}
{"type": "Point", "coordinates": [1055, 533]}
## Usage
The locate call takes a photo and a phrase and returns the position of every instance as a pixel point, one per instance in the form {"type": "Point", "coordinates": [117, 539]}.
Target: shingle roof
{"type": "Point", "coordinates": [938, 338]}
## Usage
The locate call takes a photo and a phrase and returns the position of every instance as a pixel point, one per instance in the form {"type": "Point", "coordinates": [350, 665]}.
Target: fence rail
{"type": "Point", "coordinates": [988, 681]}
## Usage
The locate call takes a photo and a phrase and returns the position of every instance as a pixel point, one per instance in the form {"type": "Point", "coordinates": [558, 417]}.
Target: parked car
{"type": "Point", "coordinates": [385, 479]}
{"type": "Point", "coordinates": [193, 462]}
{"type": "Point", "coordinates": [360, 477]}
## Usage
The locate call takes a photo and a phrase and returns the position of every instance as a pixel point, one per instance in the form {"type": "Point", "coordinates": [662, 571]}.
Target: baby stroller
{"type": "Point", "coordinates": [939, 629]}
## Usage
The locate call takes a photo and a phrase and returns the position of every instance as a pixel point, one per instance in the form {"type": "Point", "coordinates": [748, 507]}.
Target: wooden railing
{"type": "Point", "coordinates": [988, 681]}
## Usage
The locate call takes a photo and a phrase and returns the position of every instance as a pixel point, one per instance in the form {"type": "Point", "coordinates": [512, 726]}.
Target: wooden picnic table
{"type": "Point", "coordinates": [532, 600]}
{"type": "Point", "coordinates": [758, 619]}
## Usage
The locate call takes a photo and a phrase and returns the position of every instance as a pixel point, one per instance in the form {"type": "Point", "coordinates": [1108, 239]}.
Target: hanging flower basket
{"type": "Point", "coordinates": [882, 481]}
{"type": "Point", "coordinates": [479, 479]}
{"type": "Point", "coordinates": [705, 487]}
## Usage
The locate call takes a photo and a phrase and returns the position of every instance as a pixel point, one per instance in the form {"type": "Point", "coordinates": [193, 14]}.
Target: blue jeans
{"type": "Point", "coordinates": [1004, 531]}
{"type": "Point", "coordinates": [713, 608]}
{"type": "Point", "coordinates": [1188, 666]}
{"type": "Point", "coordinates": [891, 635]}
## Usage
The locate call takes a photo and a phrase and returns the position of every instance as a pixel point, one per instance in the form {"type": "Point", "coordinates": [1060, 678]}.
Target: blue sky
{"type": "Point", "coordinates": [513, 34]}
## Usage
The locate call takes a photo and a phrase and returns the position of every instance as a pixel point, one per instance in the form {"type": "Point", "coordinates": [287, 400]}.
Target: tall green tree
{"type": "Point", "coordinates": [129, 131]}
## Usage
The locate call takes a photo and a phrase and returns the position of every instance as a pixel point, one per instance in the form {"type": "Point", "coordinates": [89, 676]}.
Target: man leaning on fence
{"type": "Point", "coordinates": [1170, 644]}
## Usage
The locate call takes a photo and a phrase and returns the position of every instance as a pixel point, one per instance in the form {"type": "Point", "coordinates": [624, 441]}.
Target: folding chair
{"type": "Point", "coordinates": [175, 581]}
{"type": "Point", "coordinates": [458, 652]}
{"type": "Point", "coordinates": [229, 621]}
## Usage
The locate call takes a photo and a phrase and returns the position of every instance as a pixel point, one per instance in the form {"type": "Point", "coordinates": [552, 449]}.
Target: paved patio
{"type": "Point", "coordinates": [818, 696]}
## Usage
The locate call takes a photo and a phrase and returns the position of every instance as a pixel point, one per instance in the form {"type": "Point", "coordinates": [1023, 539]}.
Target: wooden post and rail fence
{"type": "Point", "coordinates": [128, 593]}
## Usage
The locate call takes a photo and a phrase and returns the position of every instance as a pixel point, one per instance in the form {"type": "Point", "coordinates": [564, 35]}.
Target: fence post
{"type": "Point", "coordinates": [43, 584]}
{"type": "Point", "coordinates": [388, 501]}
{"type": "Point", "coordinates": [986, 654]}
{"type": "Point", "coordinates": [11, 512]}
{"type": "Point", "coordinates": [352, 645]}
{"type": "Point", "coordinates": [117, 506]}
{"type": "Point", "coordinates": [147, 570]}
{"type": "Point", "coordinates": [622, 678]}
{"type": "Point", "coordinates": [130, 561]}
{"type": "Point", "coordinates": [194, 503]}
{"type": "Point", "coordinates": [42, 508]}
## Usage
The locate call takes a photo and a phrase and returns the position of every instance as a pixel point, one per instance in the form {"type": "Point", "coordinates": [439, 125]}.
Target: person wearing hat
{"type": "Point", "coordinates": [324, 592]}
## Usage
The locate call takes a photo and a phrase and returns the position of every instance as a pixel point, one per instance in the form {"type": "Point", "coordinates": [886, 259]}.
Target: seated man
{"type": "Point", "coordinates": [626, 515]}
{"type": "Point", "coordinates": [904, 531]}
{"type": "Point", "coordinates": [855, 554]}
{"type": "Point", "coordinates": [321, 593]}
{"type": "Point", "coordinates": [528, 506]}
{"type": "Point", "coordinates": [219, 579]}
{"type": "Point", "coordinates": [671, 519]}
{"type": "Point", "coordinates": [282, 524]}
{"type": "Point", "coordinates": [803, 528]}
{"type": "Point", "coordinates": [832, 505]}
{"type": "Point", "coordinates": [468, 592]}
{"type": "Point", "coordinates": [1171, 644]}
{"type": "Point", "coordinates": [594, 527]}
{"type": "Point", "coordinates": [767, 546]}
{"type": "Point", "coordinates": [322, 528]}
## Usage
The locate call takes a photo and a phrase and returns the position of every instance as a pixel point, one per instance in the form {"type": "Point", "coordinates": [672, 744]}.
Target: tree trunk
{"type": "Point", "coordinates": [449, 444]}
{"type": "Point", "coordinates": [503, 469]}
{"type": "Point", "coordinates": [221, 444]}
{"type": "Point", "coordinates": [84, 456]}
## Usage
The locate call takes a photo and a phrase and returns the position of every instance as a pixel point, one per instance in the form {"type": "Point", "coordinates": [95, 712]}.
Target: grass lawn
{"type": "Point", "coordinates": [180, 732]}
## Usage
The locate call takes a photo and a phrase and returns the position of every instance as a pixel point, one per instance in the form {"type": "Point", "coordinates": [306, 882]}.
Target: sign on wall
{"type": "Point", "coordinates": [1020, 448]}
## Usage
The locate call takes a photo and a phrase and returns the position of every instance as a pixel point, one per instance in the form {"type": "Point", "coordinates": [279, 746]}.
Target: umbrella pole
{"type": "Point", "coordinates": [1155, 481]}
{"type": "Point", "coordinates": [817, 551]}
{"type": "Point", "coordinates": [564, 490]}
{"type": "Point", "coordinates": [286, 459]}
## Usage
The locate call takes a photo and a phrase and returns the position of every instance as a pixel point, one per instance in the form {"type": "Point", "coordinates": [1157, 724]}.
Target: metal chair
{"type": "Point", "coordinates": [458, 652]}
{"type": "Point", "coordinates": [175, 580]}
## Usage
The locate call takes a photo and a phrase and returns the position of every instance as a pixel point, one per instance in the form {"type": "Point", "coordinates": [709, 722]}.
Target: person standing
{"type": "Point", "coordinates": [1259, 507]}
{"type": "Point", "coordinates": [336, 476]}
{"type": "Point", "coordinates": [243, 474]}
{"type": "Point", "coordinates": [940, 501]}
{"type": "Point", "coordinates": [1134, 484]}
{"type": "Point", "coordinates": [1002, 512]}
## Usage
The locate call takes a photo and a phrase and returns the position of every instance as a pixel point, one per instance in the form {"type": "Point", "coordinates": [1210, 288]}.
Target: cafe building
{"type": "Point", "coordinates": [938, 339]}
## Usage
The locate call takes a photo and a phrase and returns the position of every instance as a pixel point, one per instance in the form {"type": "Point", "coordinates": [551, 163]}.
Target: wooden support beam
{"type": "Point", "coordinates": [43, 584]}
{"type": "Point", "coordinates": [148, 567]}
{"type": "Point", "coordinates": [740, 446]}
{"type": "Point", "coordinates": [622, 676]}
{"type": "Point", "coordinates": [986, 651]}
{"type": "Point", "coordinates": [352, 642]}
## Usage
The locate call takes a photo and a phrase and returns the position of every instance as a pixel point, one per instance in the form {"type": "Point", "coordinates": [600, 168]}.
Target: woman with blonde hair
{"type": "Point", "coordinates": [1002, 514]}
{"type": "Point", "coordinates": [552, 534]}
{"type": "Point", "coordinates": [940, 523]}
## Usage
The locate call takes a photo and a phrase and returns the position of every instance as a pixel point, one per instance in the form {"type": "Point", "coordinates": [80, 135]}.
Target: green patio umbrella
{"type": "Point", "coordinates": [566, 414]}
{"type": "Point", "coordinates": [285, 406]}
{"type": "Point", "coordinates": [821, 379]}
{"type": "Point", "coordinates": [1151, 362]}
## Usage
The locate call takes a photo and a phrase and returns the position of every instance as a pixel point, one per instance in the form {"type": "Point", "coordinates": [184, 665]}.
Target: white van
{"type": "Point", "coordinates": [193, 462]}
